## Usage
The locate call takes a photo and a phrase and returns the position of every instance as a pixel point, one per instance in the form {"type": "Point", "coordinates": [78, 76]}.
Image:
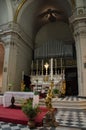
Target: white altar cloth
{"type": "Point", "coordinates": [19, 96]}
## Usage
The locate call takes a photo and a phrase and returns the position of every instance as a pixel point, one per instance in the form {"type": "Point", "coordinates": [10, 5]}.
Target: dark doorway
{"type": "Point", "coordinates": [27, 83]}
{"type": "Point", "coordinates": [71, 81]}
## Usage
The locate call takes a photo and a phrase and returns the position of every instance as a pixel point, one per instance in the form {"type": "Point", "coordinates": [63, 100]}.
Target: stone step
{"type": "Point", "coordinates": [67, 102]}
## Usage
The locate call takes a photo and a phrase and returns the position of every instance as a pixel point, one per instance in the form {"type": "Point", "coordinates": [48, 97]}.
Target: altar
{"type": "Point", "coordinates": [19, 97]}
{"type": "Point", "coordinates": [41, 82]}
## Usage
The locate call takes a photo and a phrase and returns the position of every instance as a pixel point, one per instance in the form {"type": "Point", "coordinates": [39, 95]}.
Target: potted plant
{"type": "Point", "coordinates": [56, 92]}
{"type": "Point", "coordinates": [31, 111]}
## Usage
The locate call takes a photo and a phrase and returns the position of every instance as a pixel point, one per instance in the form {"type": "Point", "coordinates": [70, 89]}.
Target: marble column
{"type": "Point", "coordinates": [80, 41]}
{"type": "Point", "coordinates": [78, 21]}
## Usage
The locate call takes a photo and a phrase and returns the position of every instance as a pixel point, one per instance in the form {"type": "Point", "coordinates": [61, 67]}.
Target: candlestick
{"type": "Point", "coordinates": [51, 68]}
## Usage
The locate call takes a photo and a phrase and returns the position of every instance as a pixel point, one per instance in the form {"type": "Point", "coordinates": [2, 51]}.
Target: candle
{"type": "Point", "coordinates": [51, 68]}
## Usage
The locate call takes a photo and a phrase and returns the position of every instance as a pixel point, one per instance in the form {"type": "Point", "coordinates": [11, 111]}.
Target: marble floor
{"type": "Point", "coordinates": [68, 119]}
{"type": "Point", "coordinates": [10, 126]}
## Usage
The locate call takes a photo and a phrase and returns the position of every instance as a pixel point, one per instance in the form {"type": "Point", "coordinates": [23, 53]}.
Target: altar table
{"type": "Point", "coordinates": [19, 97]}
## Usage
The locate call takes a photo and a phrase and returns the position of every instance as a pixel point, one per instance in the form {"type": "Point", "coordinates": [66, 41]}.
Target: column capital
{"type": "Point", "coordinates": [79, 25]}
{"type": "Point", "coordinates": [14, 32]}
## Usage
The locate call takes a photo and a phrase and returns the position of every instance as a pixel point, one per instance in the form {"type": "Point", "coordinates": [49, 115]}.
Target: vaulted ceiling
{"type": "Point", "coordinates": [35, 14]}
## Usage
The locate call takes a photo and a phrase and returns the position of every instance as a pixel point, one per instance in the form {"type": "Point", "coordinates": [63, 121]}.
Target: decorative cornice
{"type": "Point", "coordinates": [14, 33]}
{"type": "Point", "coordinates": [77, 18]}
{"type": "Point", "coordinates": [18, 9]}
{"type": "Point", "coordinates": [80, 33]}
{"type": "Point", "coordinates": [13, 30]}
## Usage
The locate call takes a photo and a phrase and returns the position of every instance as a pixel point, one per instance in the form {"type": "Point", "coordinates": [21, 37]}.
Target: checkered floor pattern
{"type": "Point", "coordinates": [68, 119]}
{"type": "Point", "coordinates": [10, 126]}
{"type": "Point", "coordinates": [71, 98]}
{"type": "Point", "coordinates": [73, 118]}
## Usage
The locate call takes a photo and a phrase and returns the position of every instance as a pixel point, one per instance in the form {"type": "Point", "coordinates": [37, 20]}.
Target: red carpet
{"type": "Point", "coordinates": [18, 117]}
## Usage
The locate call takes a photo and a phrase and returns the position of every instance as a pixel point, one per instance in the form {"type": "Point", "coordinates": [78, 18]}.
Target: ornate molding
{"type": "Point", "coordinates": [75, 18]}
{"type": "Point", "coordinates": [80, 32]}
{"type": "Point", "coordinates": [18, 9]}
{"type": "Point", "coordinates": [12, 30]}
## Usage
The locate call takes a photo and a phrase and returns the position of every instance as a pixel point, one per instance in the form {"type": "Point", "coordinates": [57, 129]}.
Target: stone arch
{"type": "Point", "coordinates": [25, 3]}
{"type": "Point", "coordinates": [27, 12]}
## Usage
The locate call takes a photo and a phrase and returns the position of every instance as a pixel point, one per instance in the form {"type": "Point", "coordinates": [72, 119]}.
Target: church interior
{"type": "Point", "coordinates": [43, 53]}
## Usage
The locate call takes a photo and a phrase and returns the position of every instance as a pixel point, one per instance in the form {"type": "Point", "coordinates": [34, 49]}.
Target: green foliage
{"type": "Point", "coordinates": [29, 110]}
{"type": "Point", "coordinates": [55, 91]}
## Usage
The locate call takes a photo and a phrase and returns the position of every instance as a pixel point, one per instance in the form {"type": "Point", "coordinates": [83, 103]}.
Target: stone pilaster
{"type": "Point", "coordinates": [78, 21]}
{"type": "Point", "coordinates": [18, 48]}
